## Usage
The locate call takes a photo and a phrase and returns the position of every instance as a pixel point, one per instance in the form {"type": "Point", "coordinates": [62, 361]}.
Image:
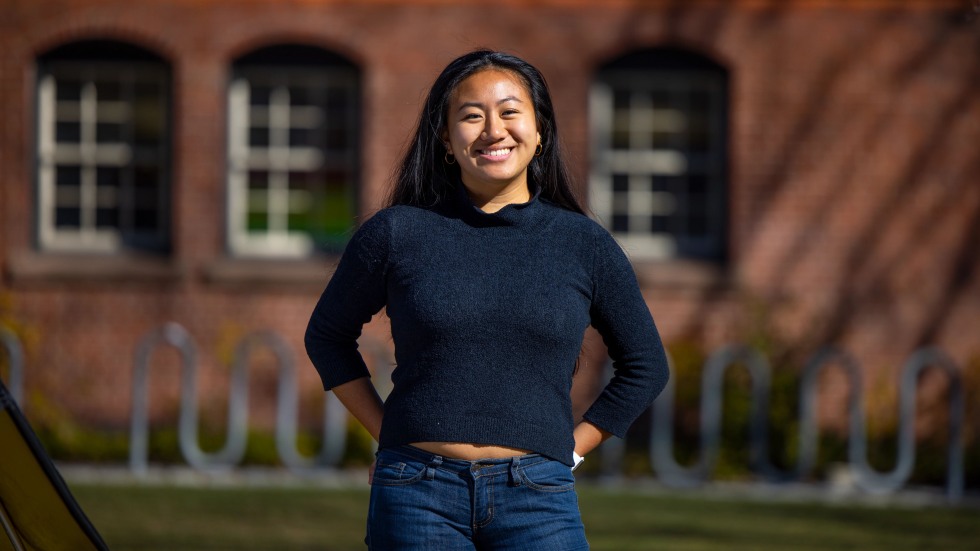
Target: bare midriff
{"type": "Point", "coordinates": [469, 452]}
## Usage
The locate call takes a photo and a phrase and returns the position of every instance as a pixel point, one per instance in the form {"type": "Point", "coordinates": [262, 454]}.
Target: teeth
{"type": "Point", "coordinates": [498, 152]}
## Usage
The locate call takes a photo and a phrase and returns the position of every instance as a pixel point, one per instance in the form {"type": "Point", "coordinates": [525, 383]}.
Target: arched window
{"type": "Point", "coordinates": [293, 117]}
{"type": "Point", "coordinates": [659, 142]}
{"type": "Point", "coordinates": [103, 155]}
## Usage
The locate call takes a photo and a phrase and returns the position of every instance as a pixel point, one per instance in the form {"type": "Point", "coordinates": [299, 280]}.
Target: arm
{"type": "Point", "coordinates": [356, 292]}
{"type": "Point", "coordinates": [362, 401]}
{"type": "Point", "coordinates": [588, 437]}
{"type": "Point", "coordinates": [621, 316]}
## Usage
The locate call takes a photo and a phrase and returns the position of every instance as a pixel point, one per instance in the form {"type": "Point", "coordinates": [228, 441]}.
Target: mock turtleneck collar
{"type": "Point", "coordinates": [514, 214]}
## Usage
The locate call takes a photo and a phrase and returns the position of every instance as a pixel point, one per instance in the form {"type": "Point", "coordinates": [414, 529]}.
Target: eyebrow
{"type": "Point", "coordinates": [478, 104]}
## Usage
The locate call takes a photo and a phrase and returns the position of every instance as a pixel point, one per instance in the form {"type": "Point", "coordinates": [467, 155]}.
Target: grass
{"type": "Point", "coordinates": [181, 518]}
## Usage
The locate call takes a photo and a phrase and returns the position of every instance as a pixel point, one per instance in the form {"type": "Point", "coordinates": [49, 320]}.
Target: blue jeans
{"type": "Point", "coordinates": [424, 501]}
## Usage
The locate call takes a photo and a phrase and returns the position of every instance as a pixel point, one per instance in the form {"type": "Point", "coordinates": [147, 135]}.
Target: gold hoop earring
{"type": "Point", "coordinates": [538, 150]}
{"type": "Point", "coordinates": [449, 158]}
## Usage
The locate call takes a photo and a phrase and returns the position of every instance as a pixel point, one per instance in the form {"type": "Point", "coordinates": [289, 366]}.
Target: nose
{"type": "Point", "coordinates": [494, 128]}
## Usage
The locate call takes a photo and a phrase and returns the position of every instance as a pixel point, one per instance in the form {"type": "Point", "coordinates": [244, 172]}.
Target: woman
{"type": "Point", "coordinates": [490, 273]}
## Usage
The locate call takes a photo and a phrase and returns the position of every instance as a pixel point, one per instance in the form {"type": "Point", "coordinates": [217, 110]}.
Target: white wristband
{"type": "Point", "coordinates": [577, 460]}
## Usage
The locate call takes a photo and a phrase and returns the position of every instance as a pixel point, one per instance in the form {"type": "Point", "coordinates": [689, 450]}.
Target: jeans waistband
{"type": "Point", "coordinates": [480, 467]}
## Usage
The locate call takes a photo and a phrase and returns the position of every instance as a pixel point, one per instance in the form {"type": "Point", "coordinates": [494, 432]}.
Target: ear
{"type": "Point", "coordinates": [444, 136]}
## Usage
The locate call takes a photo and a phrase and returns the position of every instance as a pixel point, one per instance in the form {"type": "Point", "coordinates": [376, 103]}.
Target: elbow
{"type": "Point", "coordinates": [312, 339]}
{"type": "Point", "coordinates": [662, 376]}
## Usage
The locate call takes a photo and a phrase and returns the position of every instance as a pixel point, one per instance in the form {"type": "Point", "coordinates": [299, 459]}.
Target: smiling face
{"type": "Point", "coordinates": [492, 131]}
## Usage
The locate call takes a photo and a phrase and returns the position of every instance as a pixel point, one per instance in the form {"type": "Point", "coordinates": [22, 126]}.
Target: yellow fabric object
{"type": "Point", "coordinates": [37, 512]}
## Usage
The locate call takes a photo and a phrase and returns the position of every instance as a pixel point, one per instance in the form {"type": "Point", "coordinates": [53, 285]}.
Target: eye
{"type": "Point", "coordinates": [471, 116]}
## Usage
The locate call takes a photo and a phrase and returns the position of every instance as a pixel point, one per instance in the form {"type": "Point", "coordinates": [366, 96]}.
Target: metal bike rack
{"type": "Point", "coordinates": [287, 408]}
{"type": "Point", "coordinates": [15, 357]}
{"type": "Point", "coordinates": [335, 414]}
{"type": "Point", "coordinates": [611, 454]}
{"type": "Point", "coordinates": [672, 474]}
{"type": "Point", "coordinates": [877, 482]}
{"type": "Point", "coordinates": [809, 434]}
{"type": "Point", "coordinates": [662, 439]}
{"type": "Point", "coordinates": [234, 449]}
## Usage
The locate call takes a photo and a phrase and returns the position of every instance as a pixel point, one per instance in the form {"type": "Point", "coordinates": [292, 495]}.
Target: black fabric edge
{"type": "Point", "coordinates": [8, 403]}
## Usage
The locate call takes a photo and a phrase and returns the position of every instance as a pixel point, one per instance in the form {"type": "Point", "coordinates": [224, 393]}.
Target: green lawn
{"type": "Point", "coordinates": [180, 518]}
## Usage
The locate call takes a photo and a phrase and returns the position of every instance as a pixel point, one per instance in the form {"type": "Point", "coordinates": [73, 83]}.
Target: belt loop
{"type": "Point", "coordinates": [430, 469]}
{"type": "Point", "coordinates": [515, 478]}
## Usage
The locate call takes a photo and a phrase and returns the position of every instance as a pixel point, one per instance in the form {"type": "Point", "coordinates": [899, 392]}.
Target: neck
{"type": "Point", "coordinates": [492, 200]}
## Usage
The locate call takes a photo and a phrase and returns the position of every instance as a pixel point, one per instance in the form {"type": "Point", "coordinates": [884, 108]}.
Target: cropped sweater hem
{"type": "Point", "coordinates": [488, 312]}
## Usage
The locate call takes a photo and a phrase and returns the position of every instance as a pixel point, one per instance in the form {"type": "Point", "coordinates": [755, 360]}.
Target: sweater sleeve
{"type": "Point", "coordinates": [354, 294]}
{"type": "Point", "coordinates": [620, 314]}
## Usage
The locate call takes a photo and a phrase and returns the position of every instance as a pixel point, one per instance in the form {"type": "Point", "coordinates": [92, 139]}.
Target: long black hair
{"type": "Point", "coordinates": [425, 179]}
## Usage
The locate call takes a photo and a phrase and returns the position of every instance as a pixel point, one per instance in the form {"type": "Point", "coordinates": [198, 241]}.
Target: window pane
{"type": "Point", "coordinates": [108, 132]}
{"type": "Point", "coordinates": [300, 96]}
{"type": "Point", "coordinates": [65, 217]}
{"type": "Point", "coordinates": [69, 90]}
{"type": "Point", "coordinates": [621, 182]}
{"type": "Point", "coordinates": [68, 176]}
{"type": "Point", "coordinates": [302, 137]}
{"type": "Point", "coordinates": [700, 138]}
{"type": "Point", "coordinates": [620, 223]}
{"type": "Point", "coordinates": [697, 226]}
{"type": "Point", "coordinates": [146, 220]}
{"type": "Point", "coordinates": [258, 137]}
{"type": "Point", "coordinates": [107, 218]}
{"type": "Point", "coordinates": [146, 187]}
{"type": "Point", "coordinates": [338, 133]}
{"type": "Point", "coordinates": [302, 189]}
{"type": "Point", "coordinates": [621, 99]}
{"type": "Point", "coordinates": [67, 199]}
{"type": "Point", "coordinates": [110, 90]}
{"type": "Point", "coordinates": [68, 132]}
{"type": "Point", "coordinates": [320, 205]}
{"type": "Point", "coordinates": [697, 184]}
{"type": "Point", "coordinates": [259, 95]}
{"type": "Point", "coordinates": [258, 179]}
{"type": "Point", "coordinates": [258, 201]}
{"type": "Point", "coordinates": [107, 182]}
{"type": "Point", "coordinates": [108, 178]}
{"type": "Point", "coordinates": [258, 221]}
{"type": "Point", "coordinates": [148, 115]}
{"type": "Point", "coordinates": [659, 224]}
{"type": "Point", "coordinates": [336, 210]}
{"type": "Point", "coordinates": [338, 138]}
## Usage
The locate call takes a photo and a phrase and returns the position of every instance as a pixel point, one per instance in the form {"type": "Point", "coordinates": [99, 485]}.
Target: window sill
{"type": "Point", "coordinates": [684, 276]}
{"type": "Point", "coordinates": [54, 268]}
{"type": "Point", "coordinates": [299, 275]}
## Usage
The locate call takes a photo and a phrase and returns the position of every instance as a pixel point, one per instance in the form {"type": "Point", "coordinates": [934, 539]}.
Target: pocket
{"type": "Point", "coordinates": [547, 476]}
{"type": "Point", "coordinates": [396, 471]}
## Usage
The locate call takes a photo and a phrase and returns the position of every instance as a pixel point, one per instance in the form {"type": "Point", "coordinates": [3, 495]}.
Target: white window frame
{"type": "Point", "coordinates": [641, 161]}
{"type": "Point", "coordinates": [88, 154]}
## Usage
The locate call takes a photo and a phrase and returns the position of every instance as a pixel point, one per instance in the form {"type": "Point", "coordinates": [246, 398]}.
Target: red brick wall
{"type": "Point", "coordinates": [854, 198]}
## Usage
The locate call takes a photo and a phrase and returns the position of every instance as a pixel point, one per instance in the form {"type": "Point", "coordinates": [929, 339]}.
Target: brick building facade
{"type": "Point", "coordinates": [813, 160]}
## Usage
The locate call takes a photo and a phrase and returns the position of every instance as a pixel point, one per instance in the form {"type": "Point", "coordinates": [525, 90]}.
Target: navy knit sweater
{"type": "Point", "coordinates": [488, 312]}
